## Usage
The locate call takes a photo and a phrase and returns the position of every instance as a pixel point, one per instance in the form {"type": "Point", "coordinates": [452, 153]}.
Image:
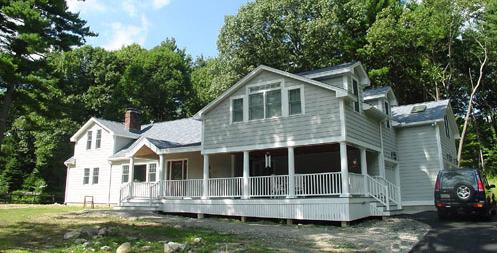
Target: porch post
{"type": "Point", "coordinates": [344, 170]}
{"type": "Point", "coordinates": [246, 174]}
{"type": "Point", "coordinates": [381, 164]}
{"type": "Point", "coordinates": [131, 175]}
{"type": "Point", "coordinates": [364, 170]}
{"type": "Point", "coordinates": [205, 181]}
{"type": "Point", "coordinates": [291, 172]}
{"type": "Point", "coordinates": [161, 174]}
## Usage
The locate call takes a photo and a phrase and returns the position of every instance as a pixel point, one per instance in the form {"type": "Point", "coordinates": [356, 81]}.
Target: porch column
{"type": "Point", "coordinates": [161, 173]}
{"type": "Point", "coordinates": [291, 172]}
{"type": "Point", "coordinates": [364, 170]}
{"type": "Point", "coordinates": [131, 175]}
{"type": "Point", "coordinates": [344, 170]}
{"type": "Point", "coordinates": [205, 181]}
{"type": "Point", "coordinates": [246, 174]}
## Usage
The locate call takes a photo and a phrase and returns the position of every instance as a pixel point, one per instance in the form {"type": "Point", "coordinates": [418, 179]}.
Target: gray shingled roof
{"type": "Point", "coordinates": [118, 128]}
{"type": "Point", "coordinates": [375, 91]}
{"type": "Point", "coordinates": [335, 67]}
{"type": "Point", "coordinates": [169, 134]}
{"type": "Point", "coordinates": [434, 111]}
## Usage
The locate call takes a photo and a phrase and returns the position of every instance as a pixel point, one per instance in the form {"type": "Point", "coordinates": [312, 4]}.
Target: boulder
{"type": "Point", "coordinates": [105, 248]}
{"type": "Point", "coordinates": [171, 247]}
{"type": "Point", "coordinates": [90, 231]}
{"type": "Point", "coordinates": [197, 240]}
{"type": "Point", "coordinates": [102, 231]}
{"type": "Point", "coordinates": [124, 248]}
{"type": "Point", "coordinates": [72, 234]}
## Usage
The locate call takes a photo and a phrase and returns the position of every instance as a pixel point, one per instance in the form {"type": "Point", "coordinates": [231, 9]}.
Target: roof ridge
{"type": "Point", "coordinates": [421, 103]}
{"type": "Point", "coordinates": [337, 66]}
{"type": "Point", "coordinates": [162, 122]}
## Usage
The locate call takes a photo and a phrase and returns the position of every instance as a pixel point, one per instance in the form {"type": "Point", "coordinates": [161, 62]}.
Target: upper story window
{"type": "Point", "coordinates": [294, 101]}
{"type": "Point", "coordinates": [96, 171]}
{"type": "Point", "coordinates": [355, 89]}
{"type": "Point", "coordinates": [447, 128]}
{"type": "Point", "coordinates": [98, 138]}
{"type": "Point", "coordinates": [86, 176]}
{"type": "Point", "coordinates": [237, 110]}
{"type": "Point", "coordinates": [264, 101]}
{"type": "Point", "coordinates": [387, 112]}
{"type": "Point", "coordinates": [88, 139]}
{"type": "Point", "coordinates": [125, 176]}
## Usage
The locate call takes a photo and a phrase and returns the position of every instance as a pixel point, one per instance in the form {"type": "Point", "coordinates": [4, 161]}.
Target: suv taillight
{"type": "Point", "coordinates": [480, 185]}
{"type": "Point", "coordinates": [437, 185]}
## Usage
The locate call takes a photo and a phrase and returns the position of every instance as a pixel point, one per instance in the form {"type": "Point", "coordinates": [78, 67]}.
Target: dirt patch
{"type": "Point", "coordinates": [373, 235]}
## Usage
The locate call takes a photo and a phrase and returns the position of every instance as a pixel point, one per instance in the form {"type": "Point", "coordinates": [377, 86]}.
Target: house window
{"type": "Point", "coordinates": [355, 89]}
{"type": "Point", "coordinates": [125, 176]}
{"type": "Point", "coordinates": [447, 128]}
{"type": "Point", "coordinates": [294, 102]}
{"type": "Point", "coordinates": [264, 101]}
{"type": "Point", "coordinates": [88, 139]}
{"type": "Point", "coordinates": [178, 170]}
{"type": "Point", "coordinates": [152, 172]}
{"type": "Point", "coordinates": [98, 138]}
{"type": "Point", "coordinates": [273, 103]}
{"type": "Point", "coordinates": [86, 176]}
{"type": "Point", "coordinates": [95, 175]}
{"type": "Point", "coordinates": [256, 106]}
{"type": "Point", "coordinates": [237, 110]}
{"type": "Point", "coordinates": [387, 112]}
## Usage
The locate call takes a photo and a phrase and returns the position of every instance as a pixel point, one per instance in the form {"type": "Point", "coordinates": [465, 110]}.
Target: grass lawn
{"type": "Point", "coordinates": [42, 228]}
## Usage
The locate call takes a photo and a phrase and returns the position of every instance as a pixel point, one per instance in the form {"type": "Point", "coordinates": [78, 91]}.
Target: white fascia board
{"type": "Point", "coordinates": [339, 92]}
{"type": "Point", "coordinates": [74, 138]}
{"type": "Point", "coordinates": [420, 123]}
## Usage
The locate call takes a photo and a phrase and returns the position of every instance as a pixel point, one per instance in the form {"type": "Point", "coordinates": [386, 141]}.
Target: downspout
{"type": "Point", "coordinates": [382, 154]}
{"type": "Point", "coordinates": [110, 183]}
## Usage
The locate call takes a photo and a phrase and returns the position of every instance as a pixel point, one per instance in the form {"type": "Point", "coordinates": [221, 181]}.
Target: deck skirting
{"type": "Point", "coordinates": [330, 209]}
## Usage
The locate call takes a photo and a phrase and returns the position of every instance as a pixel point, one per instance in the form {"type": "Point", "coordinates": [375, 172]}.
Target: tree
{"type": "Point", "coordinates": [29, 29]}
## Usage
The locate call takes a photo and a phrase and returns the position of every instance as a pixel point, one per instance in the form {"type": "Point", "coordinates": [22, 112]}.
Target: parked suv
{"type": "Point", "coordinates": [464, 190]}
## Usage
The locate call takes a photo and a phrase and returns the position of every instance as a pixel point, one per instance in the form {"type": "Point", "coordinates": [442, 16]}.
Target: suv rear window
{"type": "Point", "coordinates": [449, 179]}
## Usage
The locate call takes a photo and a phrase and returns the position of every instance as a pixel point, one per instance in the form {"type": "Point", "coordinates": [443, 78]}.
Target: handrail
{"type": "Point", "coordinates": [124, 193]}
{"type": "Point", "coordinates": [378, 191]}
{"type": "Point", "coordinates": [393, 190]}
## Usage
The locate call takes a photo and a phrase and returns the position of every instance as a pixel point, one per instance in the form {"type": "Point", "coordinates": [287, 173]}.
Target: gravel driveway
{"type": "Point", "coordinates": [371, 235]}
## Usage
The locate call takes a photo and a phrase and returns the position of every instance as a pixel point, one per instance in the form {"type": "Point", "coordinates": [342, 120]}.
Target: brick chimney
{"type": "Point", "coordinates": [132, 120]}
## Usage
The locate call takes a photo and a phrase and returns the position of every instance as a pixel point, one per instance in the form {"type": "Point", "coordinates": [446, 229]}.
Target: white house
{"type": "Point", "coordinates": [318, 145]}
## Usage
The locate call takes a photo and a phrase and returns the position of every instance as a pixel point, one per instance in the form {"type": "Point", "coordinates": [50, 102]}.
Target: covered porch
{"type": "Point", "coordinates": [333, 170]}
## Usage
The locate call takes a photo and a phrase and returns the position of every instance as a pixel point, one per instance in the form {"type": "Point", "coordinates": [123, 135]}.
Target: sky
{"type": "Point", "coordinates": [195, 24]}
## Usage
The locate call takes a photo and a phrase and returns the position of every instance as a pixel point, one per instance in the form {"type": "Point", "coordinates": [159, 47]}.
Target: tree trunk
{"type": "Point", "coordinates": [5, 110]}
{"type": "Point", "coordinates": [470, 103]}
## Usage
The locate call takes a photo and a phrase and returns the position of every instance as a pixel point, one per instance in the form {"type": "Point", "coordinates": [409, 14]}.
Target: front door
{"type": "Point", "coordinates": [178, 170]}
{"type": "Point", "coordinates": [140, 173]}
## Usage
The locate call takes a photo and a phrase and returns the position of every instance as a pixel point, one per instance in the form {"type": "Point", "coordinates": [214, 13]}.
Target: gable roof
{"type": "Point", "coordinates": [435, 111]}
{"type": "Point", "coordinates": [376, 91]}
{"type": "Point", "coordinates": [115, 128]}
{"type": "Point", "coordinates": [340, 92]}
{"type": "Point", "coordinates": [353, 66]}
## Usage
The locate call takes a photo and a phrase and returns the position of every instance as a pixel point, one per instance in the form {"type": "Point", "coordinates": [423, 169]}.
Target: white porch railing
{"type": "Point", "coordinates": [225, 187]}
{"type": "Point", "coordinates": [318, 184]}
{"type": "Point", "coordinates": [393, 191]}
{"type": "Point", "coordinates": [268, 186]}
{"type": "Point", "coordinates": [189, 188]}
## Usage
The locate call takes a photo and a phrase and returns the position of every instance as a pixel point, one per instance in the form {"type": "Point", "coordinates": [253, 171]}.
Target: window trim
{"type": "Point", "coordinates": [243, 108]}
{"type": "Point", "coordinates": [264, 91]}
{"type": "Point", "coordinates": [87, 177]}
{"type": "Point", "coordinates": [446, 126]}
{"type": "Point", "coordinates": [185, 171]}
{"type": "Point", "coordinates": [148, 172]}
{"type": "Point", "coordinates": [93, 175]}
{"type": "Point", "coordinates": [89, 139]}
{"type": "Point", "coordinates": [98, 139]}
{"type": "Point", "coordinates": [357, 96]}
{"type": "Point", "coordinates": [302, 100]}
{"type": "Point", "coordinates": [122, 173]}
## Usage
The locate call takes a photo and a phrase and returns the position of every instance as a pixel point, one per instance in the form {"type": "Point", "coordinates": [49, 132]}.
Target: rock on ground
{"type": "Point", "coordinates": [171, 247]}
{"type": "Point", "coordinates": [124, 248]}
{"type": "Point", "coordinates": [72, 234]}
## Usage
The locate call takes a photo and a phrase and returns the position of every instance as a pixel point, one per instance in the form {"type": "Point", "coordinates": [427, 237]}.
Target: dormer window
{"type": "Point", "coordinates": [88, 139]}
{"type": "Point", "coordinates": [355, 89]}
